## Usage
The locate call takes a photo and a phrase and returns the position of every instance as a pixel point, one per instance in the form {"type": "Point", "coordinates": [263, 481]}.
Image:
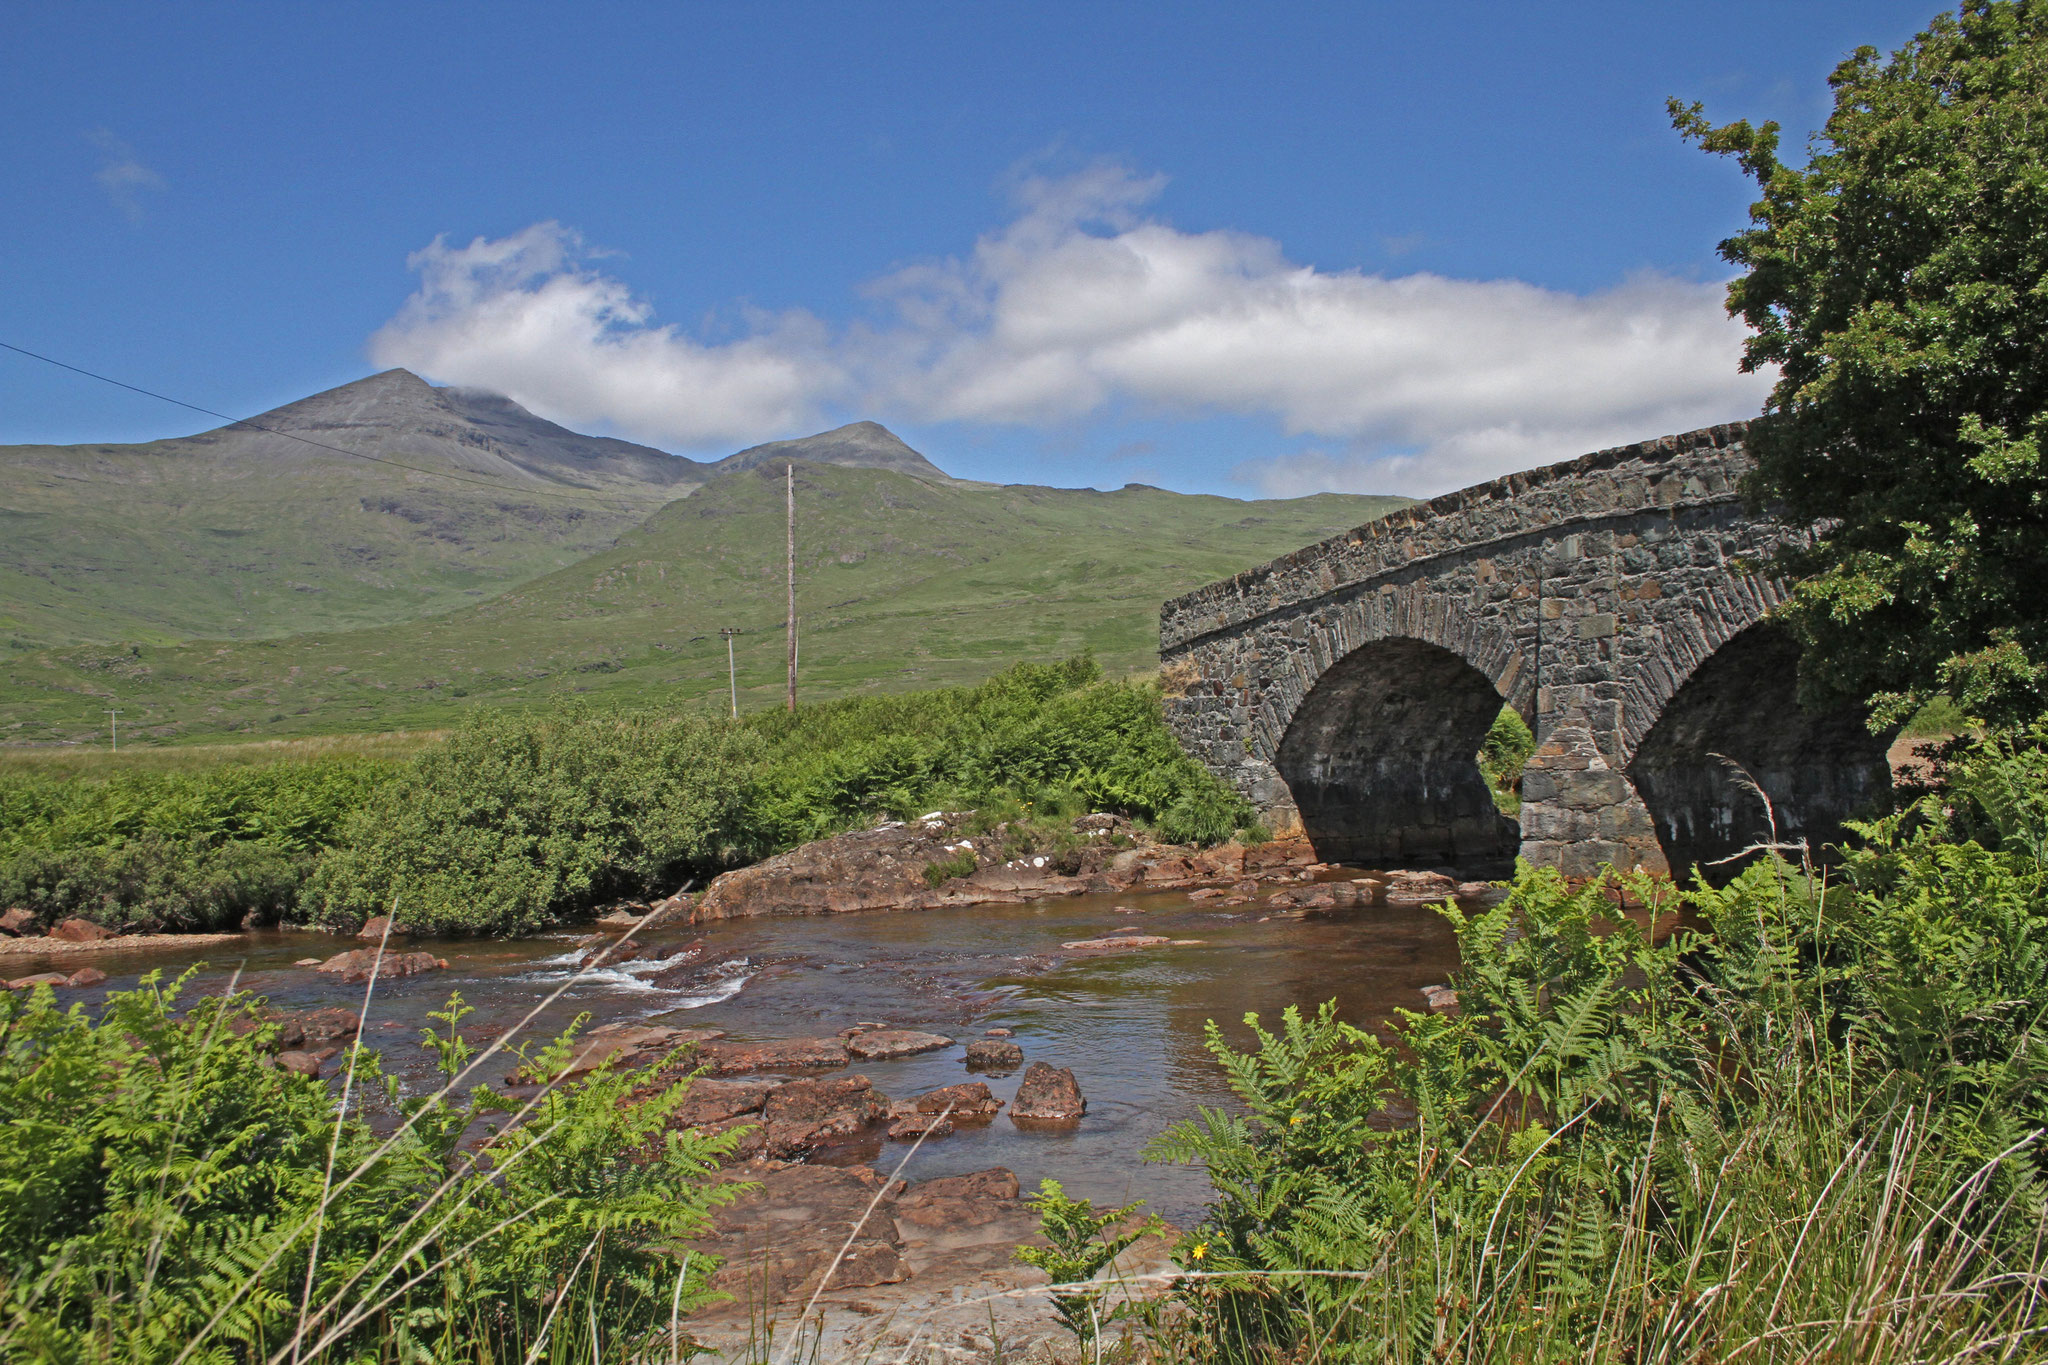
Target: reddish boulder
{"type": "Point", "coordinates": [625, 1047]}
{"type": "Point", "coordinates": [75, 930]}
{"type": "Point", "coordinates": [997, 1182]}
{"type": "Point", "coordinates": [878, 1045]}
{"type": "Point", "coordinates": [708, 1101]}
{"type": "Point", "coordinates": [1048, 1094]}
{"type": "Point", "coordinates": [18, 923]}
{"type": "Point", "coordinates": [85, 976]}
{"type": "Point", "coordinates": [358, 963]}
{"type": "Point", "coordinates": [299, 1063]}
{"type": "Point", "coordinates": [375, 927]}
{"type": "Point", "coordinates": [804, 1115]}
{"type": "Point", "coordinates": [994, 1054]}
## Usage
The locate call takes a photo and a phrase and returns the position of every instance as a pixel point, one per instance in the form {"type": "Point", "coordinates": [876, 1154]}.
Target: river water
{"type": "Point", "coordinates": [1129, 1023]}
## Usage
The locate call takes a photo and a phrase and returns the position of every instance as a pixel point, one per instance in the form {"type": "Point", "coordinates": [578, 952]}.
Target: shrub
{"type": "Point", "coordinates": [167, 1188]}
{"type": "Point", "coordinates": [1808, 1127]}
{"type": "Point", "coordinates": [1509, 746]}
{"type": "Point", "coordinates": [522, 818]}
{"type": "Point", "coordinates": [180, 850]}
{"type": "Point", "coordinates": [961, 864]}
{"type": "Point", "coordinates": [1043, 733]}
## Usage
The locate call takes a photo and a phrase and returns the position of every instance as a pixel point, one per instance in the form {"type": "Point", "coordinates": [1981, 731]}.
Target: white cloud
{"type": "Point", "coordinates": [122, 174]}
{"type": "Point", "coordinates": [525, 317]}
{"type": "Point", "coordinates": [1081, 303]}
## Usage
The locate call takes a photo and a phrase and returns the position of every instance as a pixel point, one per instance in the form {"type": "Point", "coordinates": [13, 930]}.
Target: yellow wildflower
{"type": "Point", "coordinates": [1200, 1250]}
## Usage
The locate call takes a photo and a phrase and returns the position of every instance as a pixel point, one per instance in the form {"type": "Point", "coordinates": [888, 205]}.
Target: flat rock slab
{"type": "Point", "coordinates": [709, 1101]}
{"type": "Point", "coordinates": [970, 1100]}
{"type": "Point", "coordinates": [882, 1044]}
{"type": "Point", "coordinates": [727, 1058]}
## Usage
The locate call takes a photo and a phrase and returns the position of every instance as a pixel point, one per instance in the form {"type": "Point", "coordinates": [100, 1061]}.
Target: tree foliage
{"type": "Point", "coordinates": [1899, 283]}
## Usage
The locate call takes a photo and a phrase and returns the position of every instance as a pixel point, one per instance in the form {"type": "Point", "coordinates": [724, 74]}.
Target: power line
{"type": "Point", "coordinates": [307, 440]}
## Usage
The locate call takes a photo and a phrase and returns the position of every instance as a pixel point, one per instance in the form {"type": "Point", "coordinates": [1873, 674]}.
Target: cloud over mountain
{"type": "Point", "coordinates": [1085, 303]}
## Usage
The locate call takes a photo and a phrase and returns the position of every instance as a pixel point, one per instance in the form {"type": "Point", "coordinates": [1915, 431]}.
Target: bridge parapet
{"type": "Point", "coordinates": [1348, 685]}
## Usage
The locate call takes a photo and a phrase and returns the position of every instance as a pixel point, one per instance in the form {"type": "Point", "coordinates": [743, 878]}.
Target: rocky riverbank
{"type": "Point", "coordinates": [941, 860]}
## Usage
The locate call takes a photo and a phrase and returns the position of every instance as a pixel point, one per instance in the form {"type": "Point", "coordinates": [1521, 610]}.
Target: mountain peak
{"type": "Point", "coordinates": [863, 445]}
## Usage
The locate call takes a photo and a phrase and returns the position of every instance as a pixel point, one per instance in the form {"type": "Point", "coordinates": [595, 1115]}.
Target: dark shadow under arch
{"type": "Point", "coordinates": [1818, 769]}
{"type": "Point", "coordinates": [1381, 759]}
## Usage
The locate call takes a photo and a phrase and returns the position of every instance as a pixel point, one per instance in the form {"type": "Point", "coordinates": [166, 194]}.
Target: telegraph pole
{"type": "Point", "coordinates": [731, 674]}
{"type": "Point", "coordinates": [113, 731]}
{"type": "Point", "coordinates": [789, 473]}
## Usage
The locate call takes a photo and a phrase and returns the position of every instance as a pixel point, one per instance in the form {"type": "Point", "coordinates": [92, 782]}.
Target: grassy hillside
{"type": "Point", "coordinates": [902, 583]}
{"type": "Point", "coordinates": [243, 533]}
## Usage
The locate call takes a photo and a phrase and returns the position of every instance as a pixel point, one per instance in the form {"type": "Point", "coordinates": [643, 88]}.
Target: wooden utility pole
{"type": "Point", "coordinates": [732, 675]}
{"type": "Point", "coordinates": [789, 472]}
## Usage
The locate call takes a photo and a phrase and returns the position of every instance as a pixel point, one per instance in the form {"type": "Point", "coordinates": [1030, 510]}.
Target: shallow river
{"type": "Point", "coordinates": [1130, 1023]}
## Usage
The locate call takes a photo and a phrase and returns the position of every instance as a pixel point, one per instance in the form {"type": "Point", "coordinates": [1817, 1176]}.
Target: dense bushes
{"type": "Point", "coordinates": [522, 818]}
{"type": "Point", "coordinates": [1036, 728]}
{"type": "Point", "coordinates": [1806, 1125]}
{"type": "Point", "coordinates": [176, 850]}
{"type": "Point", "coordinates": [170, 1194]}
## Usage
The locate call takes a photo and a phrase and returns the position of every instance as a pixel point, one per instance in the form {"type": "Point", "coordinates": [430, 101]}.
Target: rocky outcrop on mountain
{"type": "Point", "coordinates": [894, 866]}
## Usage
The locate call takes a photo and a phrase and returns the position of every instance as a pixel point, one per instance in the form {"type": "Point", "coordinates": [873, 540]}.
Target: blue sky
{"type": "Point", "coordinates": [1245, 249]}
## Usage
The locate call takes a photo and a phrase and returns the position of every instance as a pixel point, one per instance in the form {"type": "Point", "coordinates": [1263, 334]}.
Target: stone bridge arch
{"type": "Point", "coordinates": [1617, 601]}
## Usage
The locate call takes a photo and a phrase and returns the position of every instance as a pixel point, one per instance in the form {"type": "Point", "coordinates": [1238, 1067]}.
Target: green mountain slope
{"type": "Point", "coordinates": [241, 533]}
{"type": "Point", "coordinates": [903, 582]}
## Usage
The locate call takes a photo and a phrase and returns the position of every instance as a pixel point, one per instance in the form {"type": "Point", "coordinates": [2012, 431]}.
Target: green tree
{"type": "Point", "coordinates": [1899, 283]}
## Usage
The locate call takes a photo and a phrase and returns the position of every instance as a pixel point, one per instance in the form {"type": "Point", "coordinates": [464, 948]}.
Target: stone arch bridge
{"type": "Point", "coordinates": [1617, 601]}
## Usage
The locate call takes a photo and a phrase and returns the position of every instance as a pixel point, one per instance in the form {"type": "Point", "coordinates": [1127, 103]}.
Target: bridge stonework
{"type": "Point", "coordinates": [1617, 601]}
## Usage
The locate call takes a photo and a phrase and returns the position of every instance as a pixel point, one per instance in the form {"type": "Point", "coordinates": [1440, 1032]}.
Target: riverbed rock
{"type": "Point", "coordinates": [998, 1032]}
{"type": "Point", "coordinates": [75, 930]}
{"type": "Point", "coordinates": [625, 1046]}
{"type": "Point", "coordinates": [1418, 888]}
{"type": "Point", "coordinates": [882, 1044]}
{"type": "Point", "coordinates": [780, 1240]}
{"type": "Point", "coordinates": [601, 950]}
{"type": "Point", "coordinates": [969, 1101]}
{"type": "Point", "coordinates": [29, 983]}
{"type": "Point", "coordinates": [727, 1058]}
{"type": "Point", "coordinates": [911, 1127]}
{"type": "Point", "coordinates": [376, 926]}
{"type": "Point", "coordinates": [1440, 999]}
{"type": "Point", "coordinates": [1473, 890]}
{"type": "Point", "coordinates": [959, 1201]}
{"type": "Point", "coordinates": [801, 1116]}
{"type": "Point", "coordinates": [1048, 1094]}
{"type": "Point", "coordinates": [1096, 945]}
{"type": "Point", "coordinates": [18, 923]}
{"type": "Point", "coordinates": [85, 976]}
{"type": "Point", "coordinates": [358, 963]}
{"type": "Point", "coordinates": [994, 1054]}
{"type": "Point", "coordinates": [299, 1063]}
{"type": "Point", "coordinates": [709, 1101]}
